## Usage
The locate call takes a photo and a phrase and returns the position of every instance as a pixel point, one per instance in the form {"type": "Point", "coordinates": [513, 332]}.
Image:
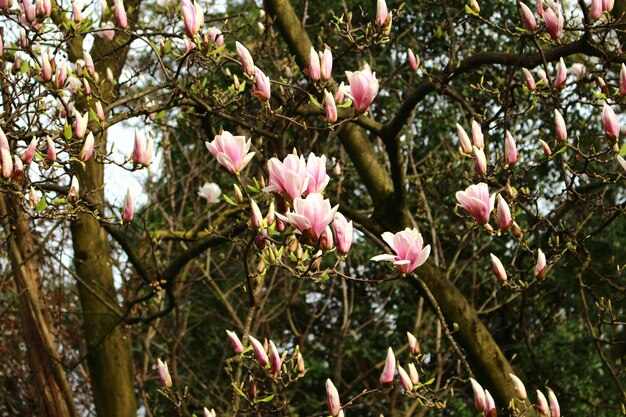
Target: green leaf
{"type": "Point", "coordinates": [314, 101]}
{"type": "Point", "coordinates": [41, 205]}
{"type": "Point", "coordinates": [24, 68]}
{"type": "Point", "coordinates": [229, 200]}
{"type": "Point", "coordinates": [67, 132]}
{"type": "Point", "coordinates": [430, 381]}
{"type": "Point", "coordinates": [265, 399]}
{"type": "Point", "coordinates": [239, 391]}
{"type": "Point", "coordinates": [559, 151]}
{"type": "Point", "coordinates": [622, 151]}
{"type": "Point", "coordinates": [470, 11]}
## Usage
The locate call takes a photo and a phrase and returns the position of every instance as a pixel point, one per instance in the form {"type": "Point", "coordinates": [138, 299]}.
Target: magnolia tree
{"type": "Point", "coordinates": [345, 208]}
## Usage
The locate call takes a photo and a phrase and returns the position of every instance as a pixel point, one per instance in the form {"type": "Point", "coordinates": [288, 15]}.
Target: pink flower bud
{"type": "Point", "coordinates": [542, 405]}
{"type": "Point", "coordinates": [476, 200]}
{"type": "Point", "coordinates": [610, 122]}
{"type": "Point", "coordinates": [80, 124]}
{"type": "Point", "coordinates": [29, 153]}
{"type": "Point", "coordinates": [91, 69]}
{"type": "Point", "coordinates": [555, 409]}
{"type": "Point", "coordinates": [23, 42]}
{"type": "Point", "coordinates": [1, 46]}
{"type": "Point", "coordinates": [46, 68]}
{"type": "Point", "coordinates": [343, 233]}
{"type": "Point", "coordinates": [490, 405]}
{"type": "Point", "coordinates": [554, 22]}
{"type": "Point", "coordinates": [518, 386]}
{"type": "Point", "coordinates": [480, 401]}
{"type": "Point", "coordinates": [78, 17]}
{"type": "Point", "coordinates": [120, 14]}
{"type": "Point", "coordinates": [33, 198]}
{"type": "Point", "coordinates": [261, 87]}
{"type": "Point", "coordinates": [541, 268]}
{"type": "Point", "coordinates": [405, 379]}
{"type": "Point", "coordinates": [413, 61]}
{"type": "Point", "coordinates": [164, 374]}
{"type": "Point", "coordinates": [314, 65]}
{"type": "Point", "coordinates": [275, 359]}
{"type": "Point", "coordinates": [61, 77]}
{"type": "Point", "coordinates": [510, 149]}
{"type": "Point", "coordinates": [52, 153]}
{"type": "Point", "coordinates": [363, 88]}
{"type": "Point", "coordinates": [326, 64]}
{"type": "Point", "coordinates": [106, 31]}
{"type": "Point", "coordinates": [607, 6]}
{"type": "Point", "coordinates": [332, 399]}
{"type": "Point", "coordinates": [87, 149]}
{"type": "Point", "coordinates": [330, 107]}
{"type": "Point", "coordinates": [386, 377]}
{"type": "Point", "coordinates": [498, 268]}
{"type": "Point", "coordinates": [530, 81]}
{"type": "Point", "coordinates": [30, 12]}
{"type": "Point", "coordinates": [578, 70]}
{"type": "Point", "coordinates": [478, 138]}
{"type": "Point", "coordinates": [340, 94]}
{"type": "Point", "coordinates": [528, 17]}
{"type": "Point", "coordinates": [234, 339]}
{"type": "Point", "coordinates": [128, 210]}
{"type": "Point", "coordinates": [247, 64]}
{"type": "Point", "coordinates": [4, 142]}
{"type": "Point", "coordinates": [326, 240]}
{"type": "Point", "coordinates": [595, 10]}
{"type": "Point", "coordinates": [382, 13]}
{"type": "Point", "coordinates": [300, 364]}
{"type": "Point", "coordinates": [99, 111]}
{"type": "Point", "coordinates": [256, 218]}
{"type": "Point", "coordinates": [191, 17]}
{"type": "Point", "coordinates": [504, 214]}
{"type": "Point", "coordinates": [414, 346]}
{"type": "Point", "coordinates": [539, 7]}
{"type": "Point", "coordinates": [543, 76]}
{"type": "Point", "coordinates": [481, 161]}
{"type": "Point", "coordinates": [622, 80]}
{"type": "Point", "coordinates": [208, 413]}
{"type": "Point", "coordinates": [73, 193]}
{"type": "Point", "coordinates": [561, 74]}
{"type": "Point", "coordinates": [259, 351]}
{"type": "Point", "coordinates": [415, 377]}
{"type": "Point", "coordinates": [545, 147]}
{"type": "Point", "coordinates": [560, 128]}
{"type": "Point", "coordinates": [464, 140]}
{"type": "Point", "coordinates": [215, 35]}
{"type": "Point", "coordinates": [7, 163]}
{"type": "Point", "coordinates": [210, 191]}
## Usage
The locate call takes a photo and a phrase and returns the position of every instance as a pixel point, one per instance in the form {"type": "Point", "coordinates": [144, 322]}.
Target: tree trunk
{"type": "Point", "coordinates": [55, 397]}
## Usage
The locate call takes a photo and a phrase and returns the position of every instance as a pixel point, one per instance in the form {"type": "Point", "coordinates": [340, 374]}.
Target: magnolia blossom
{"type": "Point", "coordinates": [4, 142]}
{"type": "Point", "coordinates": [528, 17]}
{"type": "Point", "coordinates": [211, 191]}
{"type": "Point", "coordinates": [259, 351]}
{"type": "Point", "coordinates": [610, 122]}
{"type": "Point", "coordinates": [164, 374]}
{"type": "Point", "coordinates": [52, 153]}
{"type": "Point", "coordinates": [542, 267]}
{"type": "Point", "coordinates": [542, 405]}
{"type": "Point", "coordinates": [215, 35]}
{"type": "Point", "coordinates": [545, 147]}
{"type": "Point", "coordinates": [314, 65]}
{"type": "Point", "coordinates": [261, 87]}
{"type": "Point", "coordinates": [332, 399]}
{"type": "Point", "coordinates": [18, 170]}
{"type": "Point", "coordinates": [29, 153]}
{"type": "Point", "coordinates": [289, 177]}
{"type": "Point", "coordinates": [413, 61]}
{"type": "Point", "coordinates": [247, 63]}
{"type": "Point", "coordinates": [7, 163]}
{"type": "Point", "coordinates": [504, 214]}
{"type": "Point", "coordinates": [193, 17]}
{"type": "Point", "coordinates": [209, 413]}
{"type": "Point", "coordinates": [405, 379]}
{"type": "Point", "coordinates": [343, 233]}
{"type": "Point", "coordinates": [142, 152]}
{"type": "Point", "coordinates": [310, 215]}
{"type": "Point", "coordinates": [464, 140]}
{"type": "Point", "coordinates": [555, 409]}
{"type": "Point", "coordinates": [498, 268]}
{"type": "Point", "coordinates": [120, 14]}
{"type": "Point", "coordinates": [382, 14]}
{"type": "Point", "coordinates": [87, 149]}
{"type": "Point", "coordinates": [316, 172]}
{"type": "Point", "coordinates": [231, 151]}
{"type": "Point", "coordinates": [74, 192]}
{"type": "Point", "coordinates": [128, 210]}
{"type": "Point", "coordinates": [554, 21]}
{"type": "Point", "coordinates": [518, 386]}
{"type": "Point", "coordinates": [415, 377]}
{"type": "Point", "coordinates": [80, 124]}
{"type": "Point", "coordinates": [414, 346]}
{"type": "Point", "coordinates": [99, 111]}
{"type": "Point", "coordinates": [275, 359]}
{"type": "Point", "coordinates": [363, 88]}
{"type": "Point", "coordinates": [386, 377]}
{"type": "Point", "coordinates": [476, 200]}
{"type": "Point", "coordinates": [530, 81]}
{"type": "Point", "coordinates": [595, 10]}
{"type": "Point", "coordinates": [578, 70]}
{"type": "Point", "coordinates": [561, 74]}
{"type": "Point", "coordinates": [480, 401]}
{"type": "Point", "coordinates": [510, 149]}
{"type": "Point", "coordinates": [481, 161]}
{"type": "Point", "coordinates": [234, 339]}
{"type": "Point", "coordinates": [478, 139]}
{"type": "Point", "coordinates": [559, 126]}
{"type": "Point", "coordinates": [330, 107]}
{"type": "Point", "coordinates": [490, 406]}
{"type": "Point", "coordinates": [326, 64]}
{"type": "Point", "coordinates": [409, 248]}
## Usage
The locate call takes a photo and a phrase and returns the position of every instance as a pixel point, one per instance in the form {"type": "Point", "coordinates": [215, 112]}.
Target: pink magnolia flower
{"type": "Point", "coordinates": [91, 68]}
{"type": "Point", "coordinates": [510, 149]}
{"type": "Point", "coordinates": [559, 126]}
{"type": "Point", "coordinates": [261, 87]}
{"type": "Point", "coordinates": [193, 17]}
{"type": "Point", "coordinates": [29, 153]}
{"type": "Point", "coordinates": [275, 359]}
{"type": "Point", "coordinates": [478, 139]}
{"type": "Point", "coordinates": [80, 124]}
{"type": "Point", "coordinates": [247, 64]}
{"type": "Point", "coordinates": [528, 17]}
{"type": "Point", "coordinates": [504, 214]}
{"type": "Point", "coordinates": [46, 67]}
{"type": "Point", "coordinates": [480, 401]}
{"type": "Point", "coordinates": [106, 31]}
{"type": "Point", "coordinates": [78, 16]}
{"type": "Point", "coordinates": [542, 267]}
{"type": "Point", "coordinates": [7, 163]}
{"type": "Point", "coordinates": [595, 10]}
{"type": "Point", "coordinates": [332, 399]}
{"type": "Point", "coordinates": [555, 409]}
{"type": "Point", "coordinates": [289, 177]}
{"type": "Point", "coordinates": [30, 12]}
{"type": "Point", "coordinates": [407, 384]}
{"type": "Point", "coordinates": [73, 193]}
{"type": "Point", "coordinates": [578, 70]}
{"type": "Point", "coordinates": [215, 35]}
{"type": "Point", "coordinates": [61, 77]}
{"type": "Point", "coordinates": [490, 406]}
{"type": "Point", "coordinates": [622, 80]}
{"type": "Point", "coordinates": [464, 140]}
{"type": "Point", "coordinates": [234, 339]}
{"type": "Point", "coordinates": [300, 364]}
{"type": "Point", "coordinates": [231, 151]}
{"type": "Point", "coordinates": [316, 172]}
{"type": "Point", "coordinates": [607, 6]}
{"type": "Point", "coordinates": [476, 200]}
{"type": "Point", "coordinates": [386, 377]}
{"type": "Point", "coordinates": [18, 170]}
{"type": "Point", "coordinates": [120, 14]}
{"type": "Point", "coordinates": [561, 74]}
{"type": "Point", "coordinates": [52, 153]}
{"type": "Point", "coordinates": [87, 149]}
{"type": "Point", "coordinates": [413, 61]}
{"type": "Point", "coordinates": [498, 268]}
{"type": "Point", "coordinates": [518, 386]}
{"type": "Point", "coordinates": [363, 88]}
{"type": "Point", "coordinates": [164, 374]}
{"type": "Point", "coordinates": [259, 351]}
{"type": "Point", "coordinates": [326, 64]}
{"type": "Point", "coordinates": [209, 413]}
{"type": "Point", "coordinates": [481, 161]}
{"type": "Point", "coordinates": [326, 240]}
{"type": "Point", "coordinates": [310, 215]}
{"type": "Point", "coordinates": [610, 122]}
{"type": "Point", "coordinates": [330, 107]}
{"type": "Point", "coordinates": [314, 65]}
{"type": "Point", "coordinates": [415, 377]}
{"type": "Point", "coordinates": [142, 153]}
{"type": "Point", "coordinates": [210, 191]}
{"type": "Point", "coordinates": [99, 111]}
{"type": "Point", "coordinates": [256, 218]}
{"type": "Point", "coordinates": [554, 22]}
{"type": "Point", "coordinates": [545, 147]}
{"type": "Point", "coordinates": [128, 210]}
{"type": "Point", "coordinates": [4, 142]}
{"type": "Point", "coordinates": [382, 14]}
{"type": "Point", "coordinates": [414, 346]}
{"type": "Point", "coordinates": [409, 248]}
{"type": "Point", "coordinates": [343, 233]}
{"type": "Point", "coordinates": [542, 405]}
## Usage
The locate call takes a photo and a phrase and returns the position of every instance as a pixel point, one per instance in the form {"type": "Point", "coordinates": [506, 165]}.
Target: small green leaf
{"type": "Point", "coordinates": [67, 132]}
{"type": "Point", "coordinates": [239, 391]}
{"type": "Point", "coordinates": [622, 151]}
{"type": "Point", "coordinates": [314, 101]}
{"type": "Point", "coordinates": [265, 399]}
{"type": "Point", "coordinates": [41, 205]}
{"type": "Point", "coordinates": [229, 200]}
{"type": "Point", "coordinates": [470, 11]}
{"type": "Point", "coordinates": [430, 381]}
{"type": "Point", "coordinates": [561, 150]}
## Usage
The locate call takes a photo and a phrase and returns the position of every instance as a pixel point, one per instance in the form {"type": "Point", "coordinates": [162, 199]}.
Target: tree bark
{"type": "Point", "coordinates": [55, 397]}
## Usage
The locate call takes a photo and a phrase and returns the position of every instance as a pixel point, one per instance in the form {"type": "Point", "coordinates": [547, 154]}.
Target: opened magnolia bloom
{"type": "Point", "coordinates": [409, 248]}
